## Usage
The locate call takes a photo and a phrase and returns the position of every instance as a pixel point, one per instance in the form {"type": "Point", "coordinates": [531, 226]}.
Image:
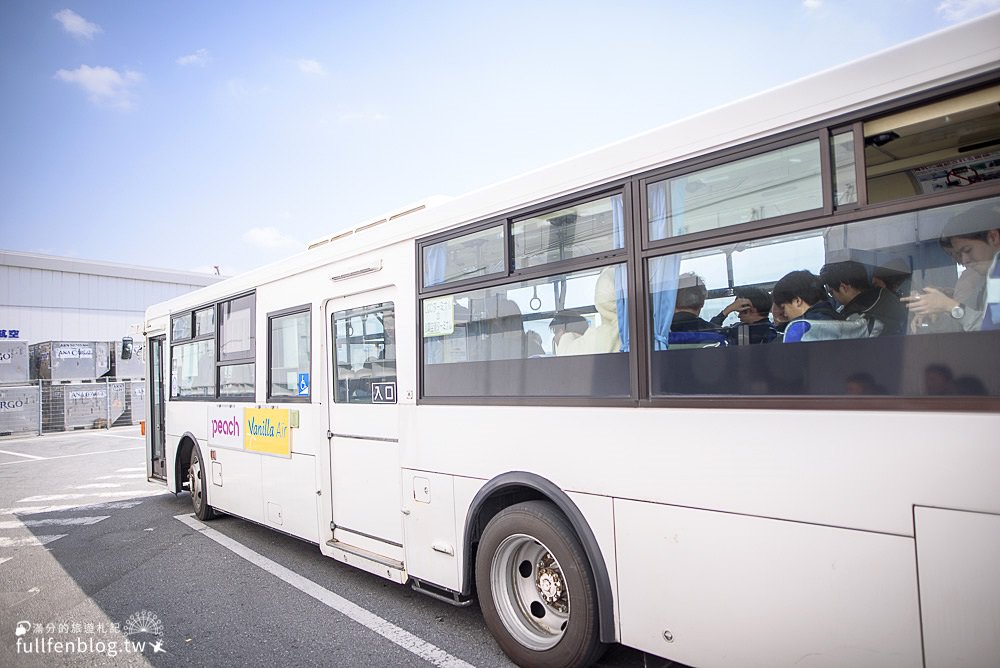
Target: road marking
{"type": "Point", "coordinates": [59, 521]}
{"type": "Point", "coordinates": [48, 438]}
{"type": "Point", "coordinates": [21, 454]}
{"type": "Point", "coordinates": [125, 476]}
{"type": "Point", "coordinates": [136, 469]}
{"type": "Point", "coordinates": [67, 497]}
{"type": "Point", "coordinates": [79, 454]}
{"type": "Point", "coordinates": [38, 510]}
{"type": "Point", "coordinates": [4, 560]}
{"type": "Point", "coordinates": [133, 438]}
{"type": "Point", "coordinates": [33, 541]}
{"type": "Point", "coordinates": [411, 643]}
{"type": "Point", "coordinates": [98, 485]}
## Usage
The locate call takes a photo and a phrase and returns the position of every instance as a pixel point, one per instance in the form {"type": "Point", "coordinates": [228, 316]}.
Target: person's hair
{"type": "Point", "coordinates": [802, 284]}
{"type": "Point", "coordinates": [847, 272]}
{"type": "Point", "coordinates": [571, 322]}
{"type": "Point", "coordinates": [975, 223]}
{"type": "Point", "coordinates": [894, 274]}
{"type": "Point", "coordinates": [691, 291]}
{"type": "Point", "coordinates": [758, 297]}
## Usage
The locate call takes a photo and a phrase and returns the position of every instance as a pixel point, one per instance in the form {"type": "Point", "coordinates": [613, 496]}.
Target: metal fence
{"type": "Point", "coordinates": [45, 406]}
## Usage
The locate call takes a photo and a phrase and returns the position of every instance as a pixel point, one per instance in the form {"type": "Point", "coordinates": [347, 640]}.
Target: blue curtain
{"type": "Point", "coordinates": [435, 264]}
{"type": "Point", "coordinates": [663, 271]}
{"type": "Point", "coordinates": [621, 275]}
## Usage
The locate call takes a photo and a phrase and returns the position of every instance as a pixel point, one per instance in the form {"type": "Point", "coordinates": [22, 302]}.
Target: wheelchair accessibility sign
{"type": "Point", "coordinates": [303, 385]}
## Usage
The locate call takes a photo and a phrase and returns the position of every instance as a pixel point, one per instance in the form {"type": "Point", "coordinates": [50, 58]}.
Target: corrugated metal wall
{"type": "Point", "coordinates": [56, 299]}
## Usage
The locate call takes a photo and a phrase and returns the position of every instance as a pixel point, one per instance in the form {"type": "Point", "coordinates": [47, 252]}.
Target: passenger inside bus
{"type": "Point", "coordinates": [972, 238]}
{"type": "Point", "coordinates": [691, 294]}
{"type": "Point", "coordinates": [848, 283]}
{"type": "Point", "coordinates": [801, 296]}
{"type": "Point", "coordinates": [604, 337]}
{"type": "Point", "coordinates": [811, 316]}
{"type": "Point", "coordinates": [752, 305]}
{"type": "Point", "coordinates": [566, 326]}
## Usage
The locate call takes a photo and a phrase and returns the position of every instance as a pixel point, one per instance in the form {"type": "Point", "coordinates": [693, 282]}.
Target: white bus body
{"type": "Point", "coordinates": [798, 530]}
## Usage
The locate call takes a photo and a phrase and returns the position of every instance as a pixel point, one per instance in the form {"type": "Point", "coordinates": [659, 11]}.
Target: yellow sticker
{"type": "Point", "coordinates": [268, 431]}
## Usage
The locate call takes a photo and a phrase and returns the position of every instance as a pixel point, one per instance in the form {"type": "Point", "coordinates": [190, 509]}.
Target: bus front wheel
{"type": "Point", "coordinates": [196, 483]}
{"type": "Point", "coordinates": [536, 589]}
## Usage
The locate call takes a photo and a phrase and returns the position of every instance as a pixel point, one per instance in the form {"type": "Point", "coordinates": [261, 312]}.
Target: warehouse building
{"type": "Point", "coordinates": [63, 360]}
{"type": "Point", "coordinates": [47, 298]}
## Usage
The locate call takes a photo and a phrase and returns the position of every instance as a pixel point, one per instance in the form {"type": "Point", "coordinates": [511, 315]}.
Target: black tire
{"type": "Point", "coordinates": [536, 589]}
{"type": "Point", "coordinates": [199, 491]}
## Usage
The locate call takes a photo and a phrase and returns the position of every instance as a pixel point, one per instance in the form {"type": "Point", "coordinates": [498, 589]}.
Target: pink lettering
{"type": "Point", "coordinates": [229, 427]}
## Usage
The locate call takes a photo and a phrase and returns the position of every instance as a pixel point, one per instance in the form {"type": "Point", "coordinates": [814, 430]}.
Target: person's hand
{"type": "Point", "coordinates": [740, 304]}
{"type": "Point", "coordinates": [929, 302]}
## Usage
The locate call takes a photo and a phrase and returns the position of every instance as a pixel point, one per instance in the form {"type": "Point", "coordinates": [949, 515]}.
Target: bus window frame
{"type": "Point", "coordinates": [956, 403]}
{"type": "Point", "coordinates": [449, 235]}
{"type": "Point", "coordinates": [624, 187]}
{"type": "Point", "coordinates": [250, 358]}
{"type": "Point", "coordinates": [730, 156]}
{"type": "Point", "coordinates": [173, 343]}
{"type": "Point", "coordinates": [281, 313]}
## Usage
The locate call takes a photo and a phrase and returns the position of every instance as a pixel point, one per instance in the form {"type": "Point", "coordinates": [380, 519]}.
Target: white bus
{"type": "Point", "coordinates": [513, 396]}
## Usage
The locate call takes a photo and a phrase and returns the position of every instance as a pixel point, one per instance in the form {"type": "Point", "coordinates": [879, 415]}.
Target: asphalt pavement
{"type": "Point", "coordinates": [100, 567]}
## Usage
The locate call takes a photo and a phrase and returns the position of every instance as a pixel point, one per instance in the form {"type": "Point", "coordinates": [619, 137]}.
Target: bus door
{"type": "Point", "coordinates": [364, 425]}
{"type": "Point", "coordinates": [155, 423]}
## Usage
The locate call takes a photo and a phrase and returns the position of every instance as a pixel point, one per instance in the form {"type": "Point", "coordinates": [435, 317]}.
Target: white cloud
{"type": "Point", "coordinates": [241, 89]}
{"type": "Point", "coordinates": [812, 5]}
{"type": "Point", "coordinates": [270, 238]}
{"type": "Point", "coordinates": [103, 85]}
{"type": "Point", "coordinates": [957, 11]}
{"type": "Point", "coordinates": [311, 67]}
{"type": "Point", "coordinates": [76, 25]}
{"type": "Point", "coordinates": [199, 58]}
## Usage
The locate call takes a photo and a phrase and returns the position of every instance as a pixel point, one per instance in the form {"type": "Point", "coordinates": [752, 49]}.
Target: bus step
{"type": "Point", "coordinates": [440, 593]}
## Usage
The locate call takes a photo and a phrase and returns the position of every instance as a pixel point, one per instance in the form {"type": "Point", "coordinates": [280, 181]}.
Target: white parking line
{"type": "Point", "coordinates": [33, 541]}
{"type": "Point", "coordinates": [123, 476]}
{"type": "Point", "coordinates": [20, 454]}
{"type": "Point", "coordinates": [135, 469]}
{"type": "Point", "coordinates": [67, 497]}
{"type": "Point", "coordinates": [38, 510]}
{"type": "Point", "coordinates": [79, 454]}
{"type": "Point", "coordinates": [4, 560]}
{"type": "Point", "coordinates": [57, 522]}
{"type": "Point", "coordinates": [98, 485]}
{"type": "Point", "coordinates": [411, 643]}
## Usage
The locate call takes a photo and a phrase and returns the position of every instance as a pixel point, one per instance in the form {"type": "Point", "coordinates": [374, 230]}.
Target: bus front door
{"type": "Point", "coordinates": [364, 426]}
{"type": "Point", "coordinates": [156, 442]}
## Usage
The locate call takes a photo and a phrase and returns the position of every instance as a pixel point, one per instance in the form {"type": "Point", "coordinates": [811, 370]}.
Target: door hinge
{"type": "Point", "coordinates": [329, 434]}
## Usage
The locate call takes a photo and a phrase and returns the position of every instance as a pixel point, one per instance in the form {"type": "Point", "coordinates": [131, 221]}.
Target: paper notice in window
{"type": "Point", "coordinates": [439, 316]}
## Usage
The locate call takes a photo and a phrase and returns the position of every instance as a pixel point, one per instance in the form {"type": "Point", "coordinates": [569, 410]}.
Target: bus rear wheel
{"type": "Point", "coordinates": [536, 589]}
{"type": "Point", "coordinates": [196, 483]}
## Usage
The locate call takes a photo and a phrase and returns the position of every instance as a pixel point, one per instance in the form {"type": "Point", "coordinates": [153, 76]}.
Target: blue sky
{"type": "Point", "coordinates": [188, 134]}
